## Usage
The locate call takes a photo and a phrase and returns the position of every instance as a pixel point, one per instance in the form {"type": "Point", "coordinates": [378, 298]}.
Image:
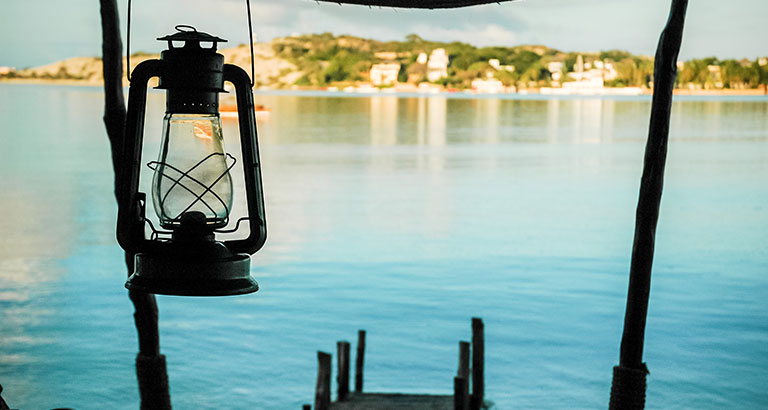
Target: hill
{"type": "Point", "coordinates": [325, 60]}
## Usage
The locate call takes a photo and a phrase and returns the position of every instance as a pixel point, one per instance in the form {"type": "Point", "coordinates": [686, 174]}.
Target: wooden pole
{"type": "Point", "coordinates": [478, 363]}
{"type": "Point", "coordinates": [3, 404]}
{"type": "Point", "coordinates": [460, 393]}
{"type": "Point", "coordinates": [306, 407]}
{"type": "Point", "coordinates": [323, 387]}
{"type": "Point", "coordinates": [359, 361]}
{"type": "Point", "coordinates": [629, 377]}
{"type": "Point", "coordinates": [342, 378]}
{"type": "Point", "coordinates": [150, 364]}
{"type": "Point", "coordinates": [463, 360]}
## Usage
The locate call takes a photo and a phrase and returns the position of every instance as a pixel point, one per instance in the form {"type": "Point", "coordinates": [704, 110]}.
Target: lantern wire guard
{"type": "Point", "coordinates": [178, 182]}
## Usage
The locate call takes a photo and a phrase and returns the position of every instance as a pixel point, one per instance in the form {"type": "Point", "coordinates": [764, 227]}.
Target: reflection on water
{"type": "Point", "coordinates": [438, 120]}
{"type": "Point", "coordinates": [405, 216]}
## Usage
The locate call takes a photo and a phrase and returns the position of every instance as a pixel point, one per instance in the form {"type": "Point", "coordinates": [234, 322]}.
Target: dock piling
{"type": "Point", "coordinates": [478, 365]}
{"type": "Point", "coordinates": [342, 378]}
{"type": "Point", "coordinates": [323, 389]}
{"type": "Point", "coordinates": [359, 360]}
{"type": "Point", "coordinates": [460, 393]}
{"type": "Point", "coordinates": [463, 360]}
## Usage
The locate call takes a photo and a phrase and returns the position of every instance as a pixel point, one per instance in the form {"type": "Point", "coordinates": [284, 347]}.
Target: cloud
{"type": "Point", "coordinates": [478, 35]}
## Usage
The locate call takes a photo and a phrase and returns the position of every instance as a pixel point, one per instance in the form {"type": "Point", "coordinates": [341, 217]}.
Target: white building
{"type": "Point", "coordinates": [488, 85]}
{"type": "Point", "coordinates": [385, 73]}
{"type": "Point", "coordinates": [590, 75]}
{"type": "Point", "coordinates": [437, 66]}
{"type": "Point", "coordinates": [422, 58]}
{"type": "Point", "coordinates": [496, 64]}
{"type": "Point", "coordinates": [556, 70]}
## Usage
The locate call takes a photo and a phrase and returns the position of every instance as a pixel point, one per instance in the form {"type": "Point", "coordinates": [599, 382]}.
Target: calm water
{"type": "Point", "coordinates": [405, 217]}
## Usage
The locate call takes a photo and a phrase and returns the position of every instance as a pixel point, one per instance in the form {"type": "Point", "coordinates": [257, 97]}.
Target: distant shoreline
{"type": "Point", "coordinates": [753, 92]}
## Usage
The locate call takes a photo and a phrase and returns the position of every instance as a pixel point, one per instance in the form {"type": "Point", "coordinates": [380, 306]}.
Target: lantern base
{"type": "Point", "coordinates": [192, 276]}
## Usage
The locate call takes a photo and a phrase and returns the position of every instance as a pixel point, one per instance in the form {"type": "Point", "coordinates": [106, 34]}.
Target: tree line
{"type": "Point", "coordinates": [326, 59]}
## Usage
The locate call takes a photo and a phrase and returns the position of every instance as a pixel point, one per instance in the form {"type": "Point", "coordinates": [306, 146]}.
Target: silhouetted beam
{"type": "Point", "coordinates": [629, 378]}
{"type": "Point", "coordinates": [418, 4]}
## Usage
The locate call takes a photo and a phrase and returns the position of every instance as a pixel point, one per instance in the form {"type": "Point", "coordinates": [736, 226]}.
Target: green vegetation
{"type": "Point", "coordinates": [326, 60]}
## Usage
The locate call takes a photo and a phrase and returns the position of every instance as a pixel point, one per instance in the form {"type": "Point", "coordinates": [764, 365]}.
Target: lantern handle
{"type": "Point", "coordinates": [128, 197]}
{"type": "Point", "coordinates": [250, 36]}
{"type": "Point", "coordinates": [128, 44]}
{"type": "Point", "coordinates": [190, 29]}
{"type": "Point", "coordinates": [251, 164]}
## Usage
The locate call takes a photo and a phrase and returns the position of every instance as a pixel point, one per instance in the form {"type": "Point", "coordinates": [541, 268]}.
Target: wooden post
{"type": "Point", "coordinates": [323, 388]}
{"type": "Point", "coordinates": [359, 360]}
{"type": "Point", "coordinates": [306, 407]}
{"type": "Point", "coordinates": [342, 378]}
{"type": "Point", "coordinates": [460, 393]}
{"type": "Point", "coordinates": [478, 363]}
{"type": "Point", "coordinates": [463, 360]}
{"type": "Point", "coordinates": [150, 364]}
{"type": "Point", "coordinates": [629, 377]}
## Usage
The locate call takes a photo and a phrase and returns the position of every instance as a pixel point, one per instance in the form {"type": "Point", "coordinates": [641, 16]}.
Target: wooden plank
{"type": "Point", "coordinates": [460, 393]}
{"type": "Point", "coordinates": [342, 378]}
{"type": "Point", "coordinates": [478, 363]}
{"type": "Point", "coordinates": [359, 360]}
{"type": "Point", "coordinates": [323, 389]}
{"type": "Point", "coordinates": [394, 401]}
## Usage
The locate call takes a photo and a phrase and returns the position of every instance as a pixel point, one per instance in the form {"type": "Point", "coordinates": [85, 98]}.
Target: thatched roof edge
{"type": "Point", "coordinates": [417, 4]}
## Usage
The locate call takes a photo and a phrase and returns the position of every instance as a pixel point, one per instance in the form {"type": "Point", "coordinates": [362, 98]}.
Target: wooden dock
{"type": "Point", "coordinates": [390, 401]}
{"type": "Point", "coordinates": [470, 371]}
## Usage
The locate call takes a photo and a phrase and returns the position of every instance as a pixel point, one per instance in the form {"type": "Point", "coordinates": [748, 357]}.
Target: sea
{"type": "Point", "coordinates": [405, 216]}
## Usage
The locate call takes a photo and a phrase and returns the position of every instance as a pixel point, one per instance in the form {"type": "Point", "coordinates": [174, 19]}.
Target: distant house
{"type": "Point", "coordinates": [762, 61]}
{"type": "Point", "coordinates": [391, 55]}
{"type": "Point", "coordinates": [496, 64]}
{"type": "Point", "coordinates": [437, 66]}
{"type": "Point", "coordinates": [422, 58]}
{"type": "Point", "coordinates": [716, 75]}
{"type": "Point", "coordinates": [386, 55]}
{"type": "Point", "coordinates": [556, 71]}
{"type": "Point", "coordinates": [384, 73]}
{"type": "Point", "coordinates": [417, 72]}
{"type": "Point", "coordinates": [592, 74]}
{"type": "Point", "coordinates": [488, 85]}
{"type": "Point", "coordinates": [6, 70]}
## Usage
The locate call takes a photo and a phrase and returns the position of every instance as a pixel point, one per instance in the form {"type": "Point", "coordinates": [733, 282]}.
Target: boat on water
{"type": "Point", "coordinates": [230, 110]}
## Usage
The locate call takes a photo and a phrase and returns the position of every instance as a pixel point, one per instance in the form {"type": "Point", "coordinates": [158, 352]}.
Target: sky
{"type": "Point", "coordinates": [39, 32]}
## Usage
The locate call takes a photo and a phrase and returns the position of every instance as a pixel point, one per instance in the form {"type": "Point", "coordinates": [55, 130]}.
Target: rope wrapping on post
{"type": "Point", "coordinates": [153, 382]}
{"type": "Point", "coordinates": [628, 388]}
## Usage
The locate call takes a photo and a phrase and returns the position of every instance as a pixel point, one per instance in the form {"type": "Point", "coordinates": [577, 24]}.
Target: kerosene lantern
{"type": "Point", "coordinates": [192, 193]}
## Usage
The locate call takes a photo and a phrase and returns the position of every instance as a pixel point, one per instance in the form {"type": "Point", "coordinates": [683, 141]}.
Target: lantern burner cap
{"type": "Point", "coordinates": [191, 37]}
{"type": "Point", "coordinates": [193, 227]}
